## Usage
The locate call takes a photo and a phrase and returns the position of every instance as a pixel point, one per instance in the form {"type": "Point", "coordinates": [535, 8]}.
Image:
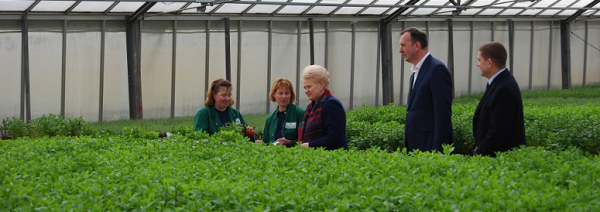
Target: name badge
{"type": "Point", "coordinates": [237, 121]}
{"type": "Point", "coordinates": [290, 125]}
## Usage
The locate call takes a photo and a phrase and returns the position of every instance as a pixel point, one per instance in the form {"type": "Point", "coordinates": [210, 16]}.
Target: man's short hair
{"type": "Point", "coordinates": [416, 35]}
{"type": "Point", "coordinates": [495, 51]}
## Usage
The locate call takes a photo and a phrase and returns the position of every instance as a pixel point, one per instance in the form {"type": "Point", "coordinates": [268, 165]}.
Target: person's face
{"type": "Point", "coordinates": [313, 89]}
{"type": "Point", "coordinates": [223, 97]}
{"type": "Point", "coordinates": [484, 65]}
{"type": "Point", "coordinates": [282, 96]}
{"type": "Point", "coordinates": [408, 49]}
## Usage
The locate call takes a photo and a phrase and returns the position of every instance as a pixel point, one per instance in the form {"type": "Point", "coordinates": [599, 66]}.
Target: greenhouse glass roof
{"type": "Point", "coordinates": [326, 8]}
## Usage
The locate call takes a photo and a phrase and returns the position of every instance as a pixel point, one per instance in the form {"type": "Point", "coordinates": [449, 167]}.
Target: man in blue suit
{"type": "Point", "coordinates": [498, 123]}
{"type": "Point", "coordinates": [429, 106]}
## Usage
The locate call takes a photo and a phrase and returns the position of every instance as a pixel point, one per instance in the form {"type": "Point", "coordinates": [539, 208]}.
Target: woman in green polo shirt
{"type": "Point", "coordinates": [217, 110]}
{"type": "Point", "coordinates": [282, 124]}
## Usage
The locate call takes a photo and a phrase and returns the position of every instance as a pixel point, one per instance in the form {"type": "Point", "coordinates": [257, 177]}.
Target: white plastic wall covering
{"type": "Point", "coordinates": [156, 56]}
{"type": "Point", "coordinates": [325, 9]}
{"type": "Point", "coordinates": [173, 68]}
{"type": "Point", "coordinates": [116, 87]}
{"type": "Point", "coordinates": [339, 61]}
{"type": "Point", "coordinates": [410, 11]}
{"type": "Point", "coordinates": [82, 81]}
{"type": "Point", "coordinates": [45, 56]}
{"type": "Point", "coordinates": [522, 53]}
{"type": "Point", "coordinates": [191, 67]}
{"type": "Point", "coordinates": [577, 37]}
{"type": "Point", "coordinates": [544, 10]}
{"type": "Point", "coordinates": [482, 34]}
{"type": "Point", "coordinates": [10, 73]}
{"type": "Point", "coordinates": [254, 64]}
{"type": "Point", "coordinates": [462, 55]}
{"type": "Point", "coordinates": [427, 11]}
{"type": "Point", "coordinates": [309, 8]}
{"type": "Point", "coordinates": [472, 56]}
{"type": "Point", "coordinates": [593, 73]}
{"type": "Point", "coordinates": [366, 68]}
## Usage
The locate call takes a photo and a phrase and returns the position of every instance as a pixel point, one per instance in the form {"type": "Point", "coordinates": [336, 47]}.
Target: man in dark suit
{"type": "Point", "coordinates": [498, 121]}
{"type": "Point", "coordinates": [429, 106]}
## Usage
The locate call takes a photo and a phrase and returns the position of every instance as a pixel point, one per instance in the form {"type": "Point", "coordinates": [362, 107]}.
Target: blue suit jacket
{"type": "Point", "coordinates": [429, 108]}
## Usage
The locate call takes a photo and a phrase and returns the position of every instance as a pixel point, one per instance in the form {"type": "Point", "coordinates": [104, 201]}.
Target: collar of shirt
{"type": "Point", "coordinates": [495, 75]}
{"type": "Point", "coordinates": [415, 69]}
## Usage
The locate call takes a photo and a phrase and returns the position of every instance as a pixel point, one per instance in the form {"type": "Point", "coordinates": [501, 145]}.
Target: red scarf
{"type": "Point", "coordinates": [310, 128]}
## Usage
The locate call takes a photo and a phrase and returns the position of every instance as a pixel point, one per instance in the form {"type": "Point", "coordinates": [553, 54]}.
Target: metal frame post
{"type": "Point", "coordinates": [207, 81]}
{"type": "Point", "coordinates": [471, 45]}
{"type": "Point", "coordinates": [173, 68]}
{"type": "Point", "coordinates": [25, 82]}
{"type": "Point", "coordinates": [352, 58]}
{"type": "Point", "coordinates": [531, 54]}
{"type": "Point", "coordinates": [298, 46]}
{"type": "Point", "coordinates": [565, 45]}
{"type": "Point", "coordinates": [451, 52]}
{"type": "Point", "coordinates": [239, 66]}
{"type": "Point", "coordinates": [227, 49]}
{"type": "Point", "coordinates": [511, 45]}
{"type": "Point", "coordinates": [101, 89]}
{"type": "Point", "coordinates": [269, 66]}
{"type": "Point", "coordinates": [386, 62]}
{"type": "Point", "coordinates": [63, 68]}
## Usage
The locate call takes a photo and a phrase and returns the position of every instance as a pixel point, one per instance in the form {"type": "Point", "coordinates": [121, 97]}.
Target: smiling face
{"type": "Point", "coordinates": [313, 89]}
{"type": "Point", "coordinates": [408, 49]}
{"type": "Point", "coordinates": [282, 96]}
{"type": "Point", "coordinates": [222, 97]}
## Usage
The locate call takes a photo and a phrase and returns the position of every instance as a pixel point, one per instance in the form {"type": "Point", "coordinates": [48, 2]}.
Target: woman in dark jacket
{"type": "Point", "coordinates": [324, 123]}
{"type": "Point", "coordinates": [282, 124]}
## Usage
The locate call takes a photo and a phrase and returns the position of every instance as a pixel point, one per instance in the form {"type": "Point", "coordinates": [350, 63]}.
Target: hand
{"type": "Point", "coordinates": [284, 142]}
{"type": "Point", "coordinates": [475, 150]}
{"type": "Point", "coordinates": [305, 145]}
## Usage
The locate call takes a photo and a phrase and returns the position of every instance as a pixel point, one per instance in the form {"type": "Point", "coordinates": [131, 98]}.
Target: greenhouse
{"type": "Point", "coordinates": [110, 60]}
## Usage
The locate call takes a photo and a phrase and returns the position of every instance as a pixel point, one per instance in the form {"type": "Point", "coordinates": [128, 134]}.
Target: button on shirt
{"type": "Point", "coordinates": [415, 69]}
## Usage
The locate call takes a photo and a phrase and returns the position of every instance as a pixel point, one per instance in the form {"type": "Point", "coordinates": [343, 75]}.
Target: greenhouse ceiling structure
{"type": "Point", "coordinates": [48, 38]}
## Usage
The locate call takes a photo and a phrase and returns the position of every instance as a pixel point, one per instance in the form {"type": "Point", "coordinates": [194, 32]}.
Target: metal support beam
{"type": "Point", "coordinates": [404, 24]}
{"type": "Point", "coordinates": [531, 54]}
{"type": "Point", "coordinates": [511, 45]}
{"type": "Point", "coordinates": [63, 68]}
{"type": "Point", "coordinates": [471, 45]}
{"type": "Point", "coordinates": [298, 68]}
{"type": "Point", "coordinates": [133, 34]}
{"type": "Point", "coordinates": [101, 89]}
{"type": "Point", "coordinates": [312, 41]}
{"type": "Point", "coordinates": [385, 36]}
{"type": "Point", "coordinates": [207, 58]}
{"type": "Point", "coordinates": [585, 48]}
{"type": "Point", "coordinates": [451, 52]}
{"type": "Point", "coordinates": [239, 67]}
{"type": "Point", "coordinates": [377, 66]}
{"type": "Point", "coordinates": [579, 12]}
{"type": "Point", "coordinates": [139, 13]}
{"type": "Point", "coordinates": [548, 85]}
{"type": "Point", "coordinates": [565, 53]}
{"type": "Point", "coordinates": [227, 50]}
{"type": "Point", "coordinates": [173, 68]}
{"type": "Point", "coordinates": [352, 58]}
{"type": "Point", "coordinates": [396, 13]}
{"type": "Point", "coordinates": [493, 30]}
{"type": "Point", "coordinates": [270, 66]}
{"type": "Point", "coordinates": [25, 83]}
{"type": "Point", "coordinates": [326, 65]}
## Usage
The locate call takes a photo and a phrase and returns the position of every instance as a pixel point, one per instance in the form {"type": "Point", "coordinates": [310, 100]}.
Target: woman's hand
{"type": "Point", "coordinates": [284, 142]}
{"type": "Point", "coordinates": [305, 145]}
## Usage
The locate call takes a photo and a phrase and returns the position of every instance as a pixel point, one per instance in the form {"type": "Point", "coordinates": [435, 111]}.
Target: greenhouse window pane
{"type": "Point", "coordinates": [352, 10]}
{"type": "Point", "coordinates": [325, 9]}
{"type": "Point", "coordinates": [515, 11]}
{"type": "Point", "coordinates": [233, 8]}
{"type": "Point", "coordinates": [90, 6]}
{"type": "Point", "coordinates": [379, 10]}
{"type": "Point", "coordinates": [265, 8]}
{"type": "Point", "coordinates": [193, 9]}
{"type": "Point", "coordinates": [295, 9]}
{"type": "Point", "coordinates": [559, 4]}
{"type": "Point", "coordinates": [495, 11]}
{"type": "Point", "coordinates": [539, 4]}
{"type": "Point", "coordinates": [478, 3]}
{"type": "Point", "coordinates": [166, 7]}
{"type": "Point", "coordinates": [53, 6]}
{"type": "Point", "coordinates": [15, 5]}
{"type": "Point", "coordinates": [427, 11]}
{"type": "Point", "coordinates": [127, 6]}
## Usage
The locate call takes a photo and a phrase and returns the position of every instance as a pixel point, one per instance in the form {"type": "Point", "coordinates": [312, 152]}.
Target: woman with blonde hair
{"type": "Point", "coordinates": [217, 110]}
{"type": "Point", "coordinates": [281, 127]}
{"type": "Point", "coordinates": [324, 123]}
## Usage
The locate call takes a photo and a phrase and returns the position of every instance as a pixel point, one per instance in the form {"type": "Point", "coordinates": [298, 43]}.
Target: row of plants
{"type": "Point", "coordinates": [47, 125]}
{"type": "Point", "coordinates": [551, 126]}
{"type": "Point", "coordinates": [191, 171]}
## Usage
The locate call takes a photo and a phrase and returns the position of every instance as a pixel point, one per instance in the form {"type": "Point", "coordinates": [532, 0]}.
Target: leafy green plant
{"type": "Point", "coordinates": [134, 132]}
{"type": "Point", "coordinates": [15, 128]}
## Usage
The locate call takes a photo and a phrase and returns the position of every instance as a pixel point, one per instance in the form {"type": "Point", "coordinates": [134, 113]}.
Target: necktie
{"type": "Point", "coordinates": [412, 77]}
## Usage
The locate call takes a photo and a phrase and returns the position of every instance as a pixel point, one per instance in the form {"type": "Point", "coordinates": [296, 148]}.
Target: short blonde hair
{"type": "Point", "coordinates": [282, 83]}
{"type": "Point", "coordinates": [215, 86]}
{"type": "Point", "coordinates": [318, 73]}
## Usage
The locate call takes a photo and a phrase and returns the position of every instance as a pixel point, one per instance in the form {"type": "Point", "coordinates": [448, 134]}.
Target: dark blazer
{"type": "Point", "coordinates": [498, 120]}
{"type": "Point", "coordinates": [429, 108]}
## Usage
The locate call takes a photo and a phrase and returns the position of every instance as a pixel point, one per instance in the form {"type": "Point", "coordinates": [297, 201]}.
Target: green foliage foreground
{"type": "Point", "coordinates": [225, 172]}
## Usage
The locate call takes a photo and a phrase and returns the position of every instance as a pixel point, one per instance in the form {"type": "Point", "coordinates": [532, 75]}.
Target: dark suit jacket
{"type": "Point", "coordinates": [498, 121]}
{"type": "Point", "coordinates": [429, 108]}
